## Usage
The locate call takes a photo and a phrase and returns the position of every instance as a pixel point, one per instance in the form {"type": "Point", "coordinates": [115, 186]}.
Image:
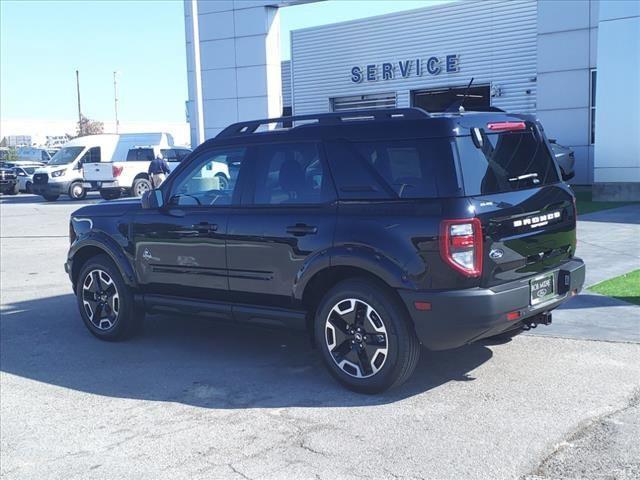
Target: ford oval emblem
{"type": "Point", "coordinates": [496, 253]}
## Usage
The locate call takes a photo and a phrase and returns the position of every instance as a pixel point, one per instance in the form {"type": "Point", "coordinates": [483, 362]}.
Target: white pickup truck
{"type": "Point", "coordinates": [129, 175]}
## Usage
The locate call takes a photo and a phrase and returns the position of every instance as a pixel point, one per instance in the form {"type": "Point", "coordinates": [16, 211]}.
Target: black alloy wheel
{"type": "Point", "coordinates": [365, 336]}
{"type": "Point", "coordinates": [105, 301]}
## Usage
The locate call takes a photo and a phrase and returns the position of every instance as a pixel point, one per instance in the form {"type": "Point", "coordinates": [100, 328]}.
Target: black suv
{"type": "Point", "coordinates": [377, 231]}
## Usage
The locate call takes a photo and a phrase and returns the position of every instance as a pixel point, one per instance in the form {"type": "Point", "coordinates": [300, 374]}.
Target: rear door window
{"type": "Point", "coordinates": [140, 155]}
{"type": "Point", "coordinates": [292, 174]}
{"type": "Point", "coordinates": [504, 162]}
{"type": "Point", "coordinates": [392, 169]}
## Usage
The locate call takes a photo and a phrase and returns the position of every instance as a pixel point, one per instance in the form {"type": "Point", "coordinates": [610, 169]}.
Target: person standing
{"type": "Point", "coordinates": [158, 170]}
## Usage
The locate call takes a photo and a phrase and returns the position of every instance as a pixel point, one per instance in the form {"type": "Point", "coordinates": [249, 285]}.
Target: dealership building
{"type": "Point", "coordinates": [574, 64]}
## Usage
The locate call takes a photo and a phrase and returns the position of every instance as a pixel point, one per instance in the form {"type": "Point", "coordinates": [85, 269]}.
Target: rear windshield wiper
{"type": "Point", "coordinates": [524, 177]}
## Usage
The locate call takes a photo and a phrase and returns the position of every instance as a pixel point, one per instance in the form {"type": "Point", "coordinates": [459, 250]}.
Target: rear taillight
{"type": "Point", "coordinates": [505, 126]}
{"type": "Point", "coordinates": [116, 171]}
{"type": "Point", "coordinates": [461, 245]}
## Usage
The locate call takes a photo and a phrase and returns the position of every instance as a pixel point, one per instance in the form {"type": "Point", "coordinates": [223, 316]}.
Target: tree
{"type": "Point", "coordinates": [87, 126]}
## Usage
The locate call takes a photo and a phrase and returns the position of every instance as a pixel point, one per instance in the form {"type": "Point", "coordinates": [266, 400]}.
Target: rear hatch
{"type": "Point", "coordinates": [512, 183]}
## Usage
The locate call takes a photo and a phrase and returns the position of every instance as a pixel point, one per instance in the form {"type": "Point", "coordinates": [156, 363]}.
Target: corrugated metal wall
{"type": "Point", "coordinates": [286, 83]}
{"type": "Point", "coordinates": [495, 42]}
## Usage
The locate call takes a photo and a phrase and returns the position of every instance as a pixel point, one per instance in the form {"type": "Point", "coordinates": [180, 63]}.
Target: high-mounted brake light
{"type": "Point", "coordinates": [461, 245]}
{"type": "Point", "coordinates": [505, 126]}
{"type": "Point", "coordinates": [116, 171]}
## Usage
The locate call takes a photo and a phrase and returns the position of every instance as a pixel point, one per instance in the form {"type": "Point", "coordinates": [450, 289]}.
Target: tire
{"type": "Point", "coordinates": [386, 336]}
{"type": "Point", "coordinates": [27, 187]}
{"type": "Point", "coordinates": [111, 301]}
{"type": "Point", "coordinates": [50, 197]}
{"type": "Point", "coordinates": [110, 194]}
{"type": "Point", "coordinates": [15, 190]}
{"type": "Point", "coordinates": [77, 191]}
{"type": "Point", "coordinates": [140, 185]}
{"type": "Point", "coordinates": [223, 181]}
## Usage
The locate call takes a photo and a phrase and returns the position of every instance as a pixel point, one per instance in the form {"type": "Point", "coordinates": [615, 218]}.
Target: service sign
{"type": "Point", "coordinates": [405, 68]}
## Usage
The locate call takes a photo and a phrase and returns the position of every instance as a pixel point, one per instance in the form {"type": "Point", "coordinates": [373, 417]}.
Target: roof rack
{"type": "Point", "coordinates": [335, 118]}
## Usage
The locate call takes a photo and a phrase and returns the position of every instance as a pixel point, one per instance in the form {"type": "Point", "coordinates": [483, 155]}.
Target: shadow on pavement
{"type": "Point", "coordinates": [589, 300]}
{"type": "Point", "coordinates": [195, 361]}
{"type": "Point", "coordinates": [627, 214]}
{"type": "Point", "coordinates": [25, 199]}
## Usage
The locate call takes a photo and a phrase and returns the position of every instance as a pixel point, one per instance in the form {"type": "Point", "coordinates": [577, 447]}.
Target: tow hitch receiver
{"type": "Point", "coordinates": [533, 322]}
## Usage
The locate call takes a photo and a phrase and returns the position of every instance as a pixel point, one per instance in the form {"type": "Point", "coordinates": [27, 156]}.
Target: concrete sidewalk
{"type": "Point", "coordinates": [609, 243]}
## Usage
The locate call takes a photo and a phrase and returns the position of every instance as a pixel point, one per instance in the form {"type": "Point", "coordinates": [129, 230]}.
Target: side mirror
{"type": "Point", "coordinates": [78, 165]}
{"type": "Point", "coordinates": [567, 176]}
{"type": "Point", "coordinates": [152, 199]}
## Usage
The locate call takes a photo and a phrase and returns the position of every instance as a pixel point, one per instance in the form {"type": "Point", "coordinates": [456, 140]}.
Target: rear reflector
{"type": "Point", "coordinates": [505, 126]}
{"type": "Point", "coordinates": [513, 316]}
{"type": "Point", "coordinates": [461, 245]}
{"type": "Point", "coordinates": [422, 306]}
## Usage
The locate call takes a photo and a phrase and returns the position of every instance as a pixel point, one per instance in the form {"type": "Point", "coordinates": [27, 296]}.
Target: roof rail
{"type": "Point", "coordinates": [335, 118]}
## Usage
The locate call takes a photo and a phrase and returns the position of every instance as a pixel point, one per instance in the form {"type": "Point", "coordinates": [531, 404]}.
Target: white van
{"type": "Point", "coordinates": [127, 172]}
{"type": "Point", "coordinates": [34, 154]}
{"type": "Point", "coordinates": [64, 175]}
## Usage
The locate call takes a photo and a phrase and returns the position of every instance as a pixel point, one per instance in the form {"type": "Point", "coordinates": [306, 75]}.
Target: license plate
{"type": "Point", "coordinates": [542, 288]}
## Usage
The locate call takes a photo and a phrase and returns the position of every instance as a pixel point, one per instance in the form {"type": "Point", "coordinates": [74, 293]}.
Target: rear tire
{"type": "Point", "coordinates": [360, 315]}
{"type": "Point", "coordinates": [109, 194]}
{"type": "Point", "coordinates": [50, 197]}
{"type": "Point", "coordinates": [15, 190]}
{"type": "Point", "coordinates": [140, 186]}
{"type": "Point", "coordinates": [105, 302]}
{"type": "Point", "coordinates": [223, 181]}
{"type": "Point", "coordinates": [27, 187]}
{"type": "Point", "coordinates": [77, 191]}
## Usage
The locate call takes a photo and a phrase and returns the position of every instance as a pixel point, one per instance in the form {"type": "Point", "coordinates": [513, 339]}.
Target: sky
{"type": "Point", "coordinates": [42, 43]}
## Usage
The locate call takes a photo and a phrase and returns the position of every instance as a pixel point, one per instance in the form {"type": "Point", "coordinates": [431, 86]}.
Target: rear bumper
{"type": "Point", "coordinates": [459, 317]}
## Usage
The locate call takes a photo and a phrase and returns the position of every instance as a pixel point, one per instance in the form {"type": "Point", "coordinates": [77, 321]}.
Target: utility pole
{"type": "Point", "coordinates": [79, 111]}
{"type": "Point", "coordinates": [115, 97]}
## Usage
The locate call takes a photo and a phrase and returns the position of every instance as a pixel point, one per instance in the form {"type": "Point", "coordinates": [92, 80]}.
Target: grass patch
{"type": "Point", "coordinates": [625, 287]}
{"type": "Point", "coordinates": [585, 204]}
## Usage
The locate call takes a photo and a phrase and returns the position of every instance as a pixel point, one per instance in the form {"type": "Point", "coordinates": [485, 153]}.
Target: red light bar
{"type": "Point", "coordinates": [423, 306]}
{"type": "Point", "coordinates": [511, 316]}
{"type": "Point", "coordinates": [504, 126]}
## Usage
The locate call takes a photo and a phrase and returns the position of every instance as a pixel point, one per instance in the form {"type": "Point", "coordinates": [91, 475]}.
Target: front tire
{"type": "Point", "coordinates": [27, 187]}
{"type": "Point", "coordinates": [365, 336]}
{"type": "Point", "coordinates": [50, 197]}
{"type": "Point", "coordinates": [105, 302]}
{"type": "Point", "coordinates": [77, 191]}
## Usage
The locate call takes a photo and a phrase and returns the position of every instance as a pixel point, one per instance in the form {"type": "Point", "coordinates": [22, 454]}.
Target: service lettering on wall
{"type": "Point", "coordinates": [405, 69]}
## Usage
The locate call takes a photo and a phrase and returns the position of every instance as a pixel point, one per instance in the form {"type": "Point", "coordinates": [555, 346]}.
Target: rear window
{"type": "Point", "coordinates": [388, 169]}
{"type": "Point", "coordinates": [504, 162]}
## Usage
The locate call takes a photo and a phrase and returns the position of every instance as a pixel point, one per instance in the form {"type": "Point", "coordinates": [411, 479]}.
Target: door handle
{"type": "Point", "coordinates": [204, 227]}
{"type": "Point", "coordinates": [301, 229]}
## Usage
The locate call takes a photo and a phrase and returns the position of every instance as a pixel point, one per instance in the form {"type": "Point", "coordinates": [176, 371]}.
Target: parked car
{"type": "Point", "coordinates": [34, 154]}
{"type": "Point", "coordinates": [565, 158]}
{"type": "Point", "coordinates": [25, 172]}
{"type": "Point", "coordinates": [128, 174]}
{"type": "Point", "coordinates": [64, 174]}
{"type": "Point", "coordinates": [8, 180]}
{"type": "Point", "coordinates": [377, 231]}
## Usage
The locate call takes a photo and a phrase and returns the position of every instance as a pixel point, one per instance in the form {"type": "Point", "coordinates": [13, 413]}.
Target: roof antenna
{"type": "Point", "coordinates": [461, 107]}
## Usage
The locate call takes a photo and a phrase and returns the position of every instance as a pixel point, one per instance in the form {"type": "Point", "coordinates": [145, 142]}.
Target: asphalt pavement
{"type": "Point", "coordinates": [192, 399]}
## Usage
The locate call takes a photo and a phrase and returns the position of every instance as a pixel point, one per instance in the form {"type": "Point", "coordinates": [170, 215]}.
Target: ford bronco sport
{"type": "Point", "coordinates": [377, 231]}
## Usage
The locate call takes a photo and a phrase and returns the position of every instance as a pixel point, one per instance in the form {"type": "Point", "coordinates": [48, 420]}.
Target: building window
{"type": "Point", "coordinates": [477, 97]}
{"type": "Point", "coordinates": [592, 108]}
{"type": "Point", "coordinates": [361, 102]}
